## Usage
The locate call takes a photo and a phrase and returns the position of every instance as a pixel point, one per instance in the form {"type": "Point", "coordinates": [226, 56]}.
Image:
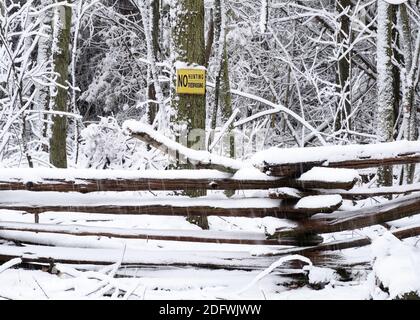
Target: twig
{"type": "Point", "coordinates": [43, 291]}
{"type": "Point", "coordinates": [10, 264]}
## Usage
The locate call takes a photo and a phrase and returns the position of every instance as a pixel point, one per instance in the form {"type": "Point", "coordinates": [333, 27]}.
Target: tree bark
{"type": "Point", "coordinates": [411, 56]}
{"type": "Point", "coordinates": [386, 97]}
{"type": "Point", "coordinates": [154, 26]}
{"type": "Point", "coordinates": [222, 95]}
{"type": "Point", "coordinates": [189, 47]}
{"type": "Point", "coordinates": [61, 56]}
{"type": "Point", "coordinates": [210, 39]}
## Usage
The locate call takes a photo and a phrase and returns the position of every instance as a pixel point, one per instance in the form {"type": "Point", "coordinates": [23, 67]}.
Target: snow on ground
{"type": "Point", "coordinates": [330, 175]}
{"type": "Point", "coordinates": [162, 284]}
{"type": "Point", "coordinates": [395, 264]}
{"type": "Point", "coordinates": [196, 283]}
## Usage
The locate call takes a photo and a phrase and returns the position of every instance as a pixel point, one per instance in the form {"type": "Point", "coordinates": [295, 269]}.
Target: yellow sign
{"type": "Point", "coordinates": [191, 81]}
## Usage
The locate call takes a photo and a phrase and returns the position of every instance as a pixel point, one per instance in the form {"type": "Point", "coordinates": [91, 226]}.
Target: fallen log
{"type": "Point", "coordinates": [351, 220]}
{"type": "Point", "coordinates": [295, 161]}
{"type": "Point", "coordinates": [198, 159]}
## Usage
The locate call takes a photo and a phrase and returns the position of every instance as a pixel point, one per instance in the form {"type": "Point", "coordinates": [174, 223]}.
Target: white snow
{"type": "Point", "coordinates": [263, 16]}
{"type": "Point", "coordinates": [396, 265]}
{"type": "Point", "coordinates": [330, 175]}
{"type": "Point", "coordinates": [396, 1]}
{"type": "Point", "coordinates": [319, 201]}
{"type": "Point", "coordinates": [319, 275]}
{"type": "Point", "coordinates": [290, 192]}
{"type": "Point", "coordinates": [281, 96]}
{"type": "Point", "coordinates": [185, 65]}
{"type": "Point", "coordinates": [250, 173]}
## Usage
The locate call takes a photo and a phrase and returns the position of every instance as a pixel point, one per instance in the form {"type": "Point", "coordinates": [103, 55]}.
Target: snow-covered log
{"type": "Point", "coordinates": [231, 209]}
{"type": "Point", "coordinates": [350, 220]}
{"type": "Point", "coordinates": [91, 185]}
{"type": "Point", "coordinates": [86, 180]}
{"type": "Point", "coordinates": [295, 161]}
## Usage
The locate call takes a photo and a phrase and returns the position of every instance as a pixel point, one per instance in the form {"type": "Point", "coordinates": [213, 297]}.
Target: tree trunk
{"type": "Point", "coordinates": [42, 97]}
{"type": "Point", "coordinates": [218, 35]}
{"type": "Point", "coordinates": [410, 122]}
{"type": "Point", "coordinates": [386, 98]}
{"type": "Point", "coordinates": [222, 95]}
{"type": "Point", "coordinates": [398, 58]}
{"type": "Point", "coordinates": [189, 47]}
{"type": "Point", "coordinates": [61, 56]}
{"type": "Point", "coordinates": [154, 28]}
{"type": "Point", "coordinates": [210, 39]}
{"type": "Point", "coordinates": [344, 67]}
{"type": "Point", "coordinates": [226, 100]}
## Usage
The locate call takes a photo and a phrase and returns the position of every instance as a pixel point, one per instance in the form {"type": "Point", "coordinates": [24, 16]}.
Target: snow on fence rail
{"type": "Point", "coordinates": [205, 236]}
{"type": "Point", "coordinates": [85, 181]}
{"type": "Point", "coordinates": [295, 161]}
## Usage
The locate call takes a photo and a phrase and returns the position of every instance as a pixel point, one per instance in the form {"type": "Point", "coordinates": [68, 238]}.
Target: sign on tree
{"type": "Point", "coordinates": [191, 81]}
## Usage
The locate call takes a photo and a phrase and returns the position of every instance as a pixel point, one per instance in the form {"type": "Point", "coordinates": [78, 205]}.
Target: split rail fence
{"type": "Point", "coordinates": [308, 191]}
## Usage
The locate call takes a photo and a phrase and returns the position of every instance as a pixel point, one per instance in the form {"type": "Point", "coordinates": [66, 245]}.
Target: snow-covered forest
{"type": "Point", "coordinates": [298, 128]}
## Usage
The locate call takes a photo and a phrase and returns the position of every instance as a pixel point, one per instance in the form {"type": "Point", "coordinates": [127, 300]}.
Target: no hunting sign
{"type": "Point", "coordinates": [191, 81]}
